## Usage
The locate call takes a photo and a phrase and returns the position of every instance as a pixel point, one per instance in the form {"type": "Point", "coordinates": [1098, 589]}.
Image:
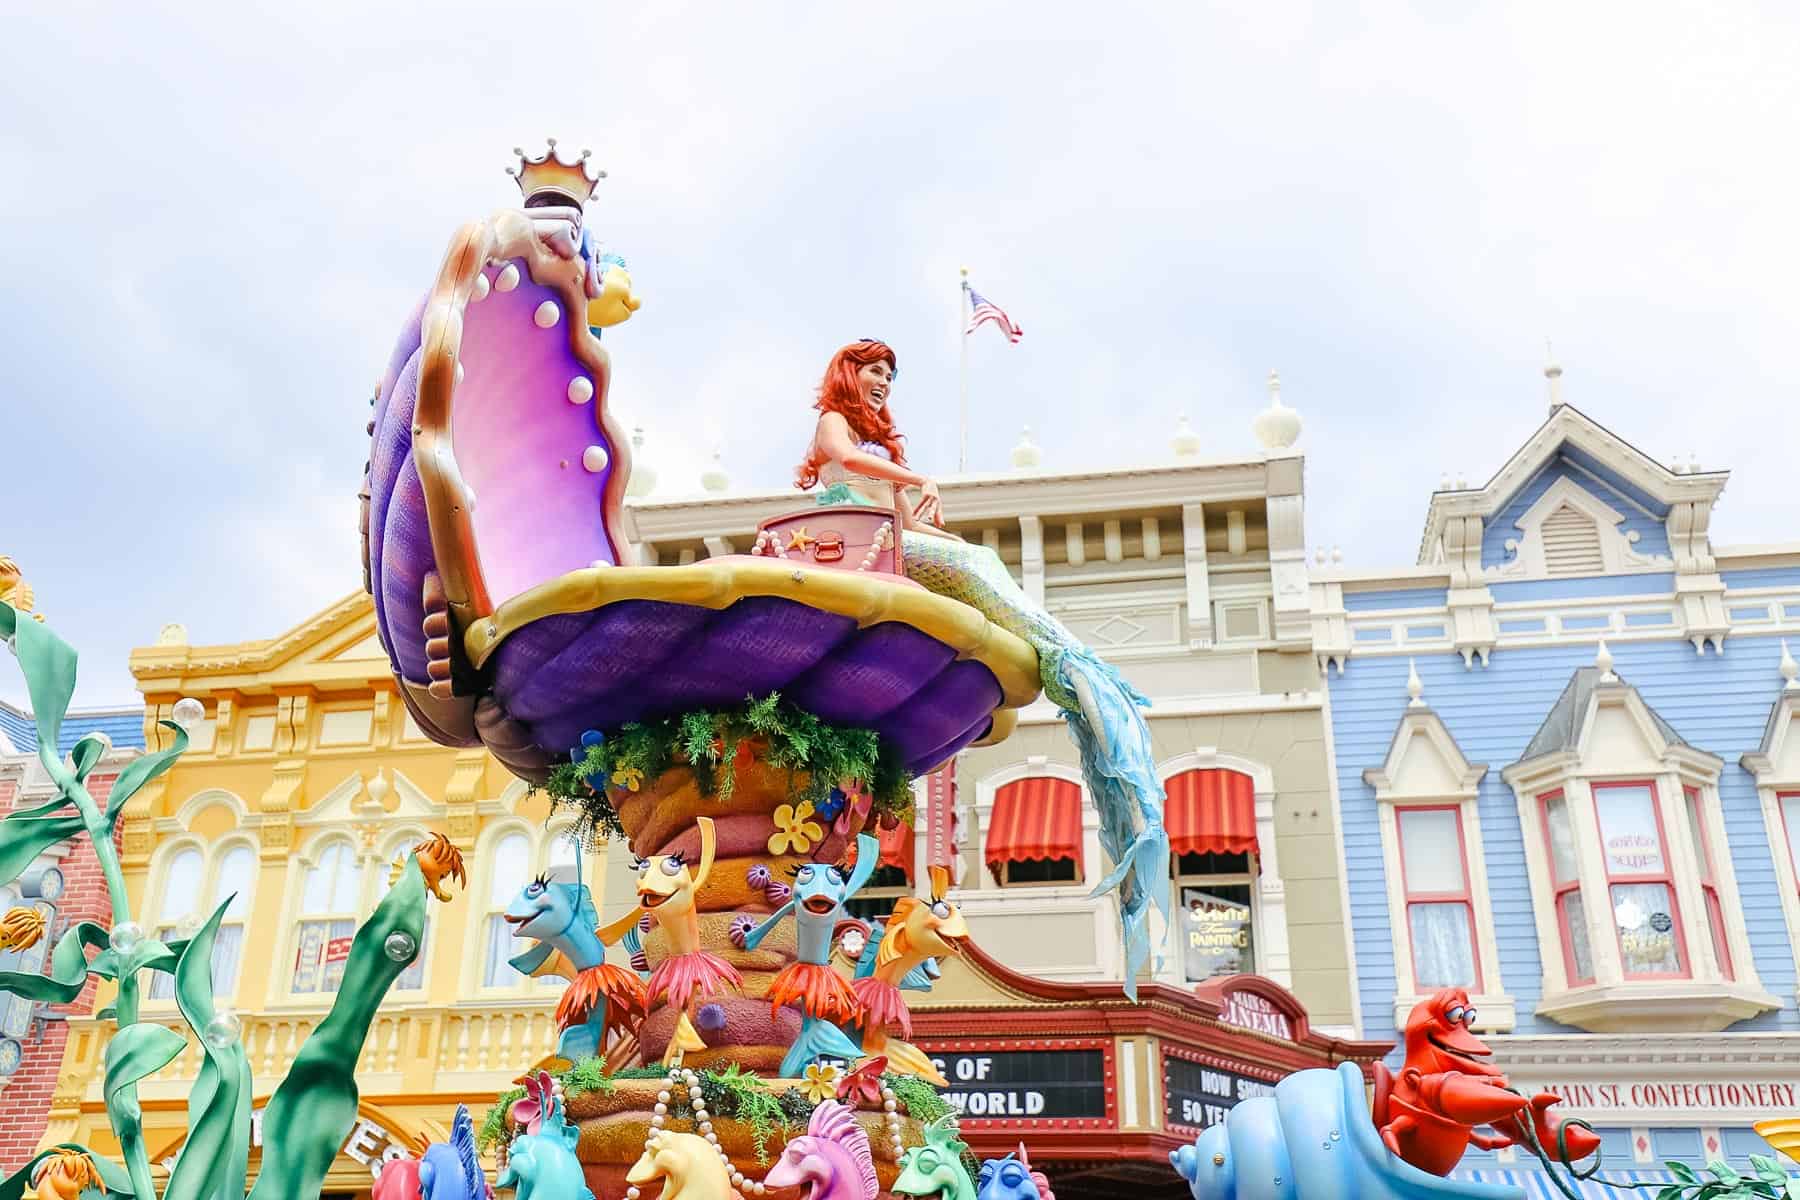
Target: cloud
{"type": "Point", "coordinates": [222, 216]}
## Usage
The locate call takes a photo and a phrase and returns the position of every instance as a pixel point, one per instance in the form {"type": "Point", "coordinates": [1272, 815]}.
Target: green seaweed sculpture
{"type": "Point", "coordinates": [314, 1107]}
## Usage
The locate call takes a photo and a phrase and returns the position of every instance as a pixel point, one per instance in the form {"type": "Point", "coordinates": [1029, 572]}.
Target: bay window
{"type": "Point", "coordinates": [1636, 903]}
{"type": "Point", "coordinates": [1775, 764]}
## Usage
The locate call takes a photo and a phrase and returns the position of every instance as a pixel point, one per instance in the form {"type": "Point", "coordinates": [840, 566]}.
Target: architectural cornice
{"type": "Point", "coordinates": [152, 665]}
{"type": "Point", "coordinates": [1701, 1055]}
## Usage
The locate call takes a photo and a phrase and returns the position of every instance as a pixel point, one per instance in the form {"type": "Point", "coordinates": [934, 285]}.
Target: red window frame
{"type": "Point", "coordinates": [1666, 878]}
{"type": "Point", "coordinates": [1709, 883]}
{"type": "Point", "coordinates": [1561, 889]}
{"type": "Point", "coordinates": [1465, 897]}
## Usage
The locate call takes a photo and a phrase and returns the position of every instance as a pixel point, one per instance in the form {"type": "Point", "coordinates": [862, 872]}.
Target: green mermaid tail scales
{"type": "Point", "coordinates": [1105, 717]}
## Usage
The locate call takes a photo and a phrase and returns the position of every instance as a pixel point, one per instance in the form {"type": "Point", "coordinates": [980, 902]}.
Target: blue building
{"type": "Point", "coordinates": [1568, 773]}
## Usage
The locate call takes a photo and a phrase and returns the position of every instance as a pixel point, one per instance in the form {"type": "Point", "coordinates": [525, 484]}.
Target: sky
{"type": "Point", "coordinates": [216, 217]}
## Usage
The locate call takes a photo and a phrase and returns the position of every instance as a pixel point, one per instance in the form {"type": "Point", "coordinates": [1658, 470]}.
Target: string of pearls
{"type": "Point", "coordinates": [890, 1116]}
{"type": "Point", "coordinates": [685, 1078]}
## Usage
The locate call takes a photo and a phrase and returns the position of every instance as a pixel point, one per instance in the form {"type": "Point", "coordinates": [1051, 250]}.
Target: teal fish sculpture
{"type": "Point", "coordinates": [936, 1168]}
{"type": "Point", "coordinates": [542, 1165]}
{"type": "Point", "coordinates": [557, 911]}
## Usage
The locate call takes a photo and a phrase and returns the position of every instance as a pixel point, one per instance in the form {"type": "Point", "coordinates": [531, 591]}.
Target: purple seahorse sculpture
{"type": "Point", "coordinates": [832, 1155]}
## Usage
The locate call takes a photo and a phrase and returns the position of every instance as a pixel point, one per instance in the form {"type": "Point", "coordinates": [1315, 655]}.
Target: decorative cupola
{"type": "Point", "coordinates": [1639, 924]}
{"type": "Point", "coordinates": [1775, 765]}
{"type": "Point", "coordinates": [1440, 911]}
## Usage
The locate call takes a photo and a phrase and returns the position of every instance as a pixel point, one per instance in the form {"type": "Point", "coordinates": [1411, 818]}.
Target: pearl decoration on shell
{"type": "Point", "coordinates": [686, 1078]}
{"type": "Point", "coordinates": [890, 1116]}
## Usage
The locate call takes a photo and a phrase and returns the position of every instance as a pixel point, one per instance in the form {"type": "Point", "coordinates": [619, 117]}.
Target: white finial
{"type": "Point", "coordinates": [643, 475]}
{"type": "Point", "coordinates": [1790, 670]}
{"type": "Point", "coordinates": [1185, 443]}
{"type": "Point", "coordinates": [1604, 660]}
{"type": "Point", "coordinates": [1462, 482]}
{"type": "Point", "coordinates": [1415, 687]}
{"type": "Point", "coordinates": [1319, 556]}
{"type": "Point", "coordinates": [1027, 454]}
{"type": "Point", "coordinates": [1337, 556]}
{"type": "Point", "coordinates": [1444, 482]}
{"type": "Point", "coordinates": [1277, 427]}
{"type": "Point", "coordinates": [714, 479]}
{"type": "Point", "coordinates": [1677, 466]}
{"type": "Point", "coordinates": [173, 634]}
{"type": "Point", "coordinates": [1553, 374]}
{"type": "Point", "coordinates": [1693, 463]}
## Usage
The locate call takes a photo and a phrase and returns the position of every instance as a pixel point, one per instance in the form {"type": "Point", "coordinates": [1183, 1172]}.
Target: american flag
{"type": "Point", "coordinates": [982, 309]}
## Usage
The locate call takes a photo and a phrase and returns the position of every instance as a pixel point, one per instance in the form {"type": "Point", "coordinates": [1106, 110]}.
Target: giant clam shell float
{"type": "Point", "coordinates": [522, 622]}
{"type": "Point", "coordinates": [1312, 1140]}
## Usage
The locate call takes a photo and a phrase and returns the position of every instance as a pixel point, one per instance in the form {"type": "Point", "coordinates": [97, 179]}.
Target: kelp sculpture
{"type": "Point", "coordinates": [314, 1107]}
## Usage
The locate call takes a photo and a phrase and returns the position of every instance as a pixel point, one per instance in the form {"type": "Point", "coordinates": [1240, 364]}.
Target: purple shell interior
{"type": "Point", "coordinates": [536, 461]}
{"type": "Point", "coordinates": [640, 659]}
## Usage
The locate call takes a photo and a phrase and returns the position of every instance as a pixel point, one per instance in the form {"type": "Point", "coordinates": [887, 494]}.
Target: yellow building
{"type": "Point", "coordinates": [304, 782]}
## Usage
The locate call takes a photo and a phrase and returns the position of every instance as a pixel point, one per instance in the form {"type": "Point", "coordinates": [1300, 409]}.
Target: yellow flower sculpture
{"type": "Point", "coordinates": [629, 778]}
{"type": "Point", "coordinates": [821, 1083]}
{"type": "Point", "coordinates": [21, 928]}
{"type": "Point", "coordinates": [795, 832]}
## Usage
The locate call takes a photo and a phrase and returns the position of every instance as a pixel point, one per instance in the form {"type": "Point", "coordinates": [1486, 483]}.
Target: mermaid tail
{"type": "Point", "coordinates": [1104, 716]}
{"type": "Point", "coordinates": [818, 1039]}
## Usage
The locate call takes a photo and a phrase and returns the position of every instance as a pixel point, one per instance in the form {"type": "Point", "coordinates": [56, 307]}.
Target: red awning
{"type": "Point", "coordinates": [1037, 818]}
{"type": "Point", "coordinates": [897, 848]}
{"type": "Point", "coordinates": [1211, 812]}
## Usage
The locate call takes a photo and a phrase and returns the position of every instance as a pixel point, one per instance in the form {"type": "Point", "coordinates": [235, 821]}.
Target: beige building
{"type": "Point", "coordinates": [1190, 576]}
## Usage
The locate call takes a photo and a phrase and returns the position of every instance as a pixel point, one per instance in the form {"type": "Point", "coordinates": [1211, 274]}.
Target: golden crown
{"type": "Point", "coordinates": [548, 176]}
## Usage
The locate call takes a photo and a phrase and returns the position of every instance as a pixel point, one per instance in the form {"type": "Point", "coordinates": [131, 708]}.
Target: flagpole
{"type": "Point", "coordinates": [962, 329]}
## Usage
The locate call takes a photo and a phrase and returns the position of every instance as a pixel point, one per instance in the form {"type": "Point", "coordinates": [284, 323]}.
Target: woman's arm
{"type": "Point", "coordinates": [835, 441]}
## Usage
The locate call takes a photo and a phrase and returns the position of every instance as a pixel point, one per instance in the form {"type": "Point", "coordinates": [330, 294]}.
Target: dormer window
{"type": "Point", "coordinates": [1639, 926]}
{"type": "Point", "coordinates": [1775, 764]}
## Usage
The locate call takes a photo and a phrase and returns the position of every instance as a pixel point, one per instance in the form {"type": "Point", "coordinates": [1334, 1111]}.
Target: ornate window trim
{"type": "Point", "coordinates": [1404, 781]}
{"type": "Point", "coordinates": [1606, 750]}
{"type": "Point", "coordinates": [1269, 911]}
{"type": "Point", "coordinates": [212, 859]}
{"type": "Point", "coordinates": [540, 842]}
{"type": "Point", "coordinates": [1776, 769]}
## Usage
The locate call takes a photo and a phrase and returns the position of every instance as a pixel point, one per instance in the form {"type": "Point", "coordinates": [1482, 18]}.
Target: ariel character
{"type": "Point", "coordinates": [667, 889]}
{"type": "Point", "coordinates": [858, 455]}
{"type": "Point", "coordinates": [915, 934]}
{"type": "Point", "coordinates": [557, 912]}
{"type": "Point", "coordinates": [824, 999]}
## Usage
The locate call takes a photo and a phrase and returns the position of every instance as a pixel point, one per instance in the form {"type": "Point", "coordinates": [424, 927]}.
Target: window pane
{"type": "Point", "coordinates": [1443, 945]}
{"type": "Point", "coordinates": [1790, 812]}
{"type": "Point", "coordinates": [309, 955]}
{"type": "Point", "coordinates": [497, 972]}
{"type": "Point", "coordinates": [512, 866]}
{"type": "Point", "coordinates": [346, 884]}
{"type": "Point", "coordinates": [1628, 832]}
{"type": "Point", "coordinates": [162, 983]}
{"type": "Point", "coordinates": [1431, 851]}
{"type": "Point", "coordinates": [1715, 918]}
{"type": "Point", "coordinates": [228, 950]}
{"type": "Point", "coordinates": [337, 954]}
{"type": "Point", "coordinates": [563, 852]}
{"type": "Point", "coordinates": [413, 977]}
{"type": "Point", "coordinates": [1690, 803]}
{"type": "Point", "coordinates": [1644, 915]}
{"type": "Point", "coordinates": [1216, 931]}
{"type": "Point", "coordinates": [1562, 839]}
{"type": "Point", "coordinates": [181, 886]}
{"type": "Point", "coordinates": [1575, 933]}
{"type": "Point", "coordinates": [236, 871]}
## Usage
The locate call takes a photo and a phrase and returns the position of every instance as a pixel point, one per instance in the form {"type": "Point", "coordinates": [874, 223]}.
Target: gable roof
{"type": "Point", "coordinates": [1561, 729]}
{"type": "Point", "coordinates": [1571, 433]}
{"type": "Point", "coordinates": [124, 726]}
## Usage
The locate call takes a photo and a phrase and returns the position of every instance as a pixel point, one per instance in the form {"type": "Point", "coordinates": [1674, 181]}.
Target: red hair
{"type": "Point", "coordinates": [840, 393]}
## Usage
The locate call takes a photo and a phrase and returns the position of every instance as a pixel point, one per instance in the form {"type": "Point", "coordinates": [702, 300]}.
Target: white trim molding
{"type": "Point", "coordinates": [1425, 768]}
{"type": "Point", "coordinates": [1616, 738]}
{"type": "Point", "coordinates": [1269, 913]}
{"type": "Point", "coordinates": [1776, 767]}
{"type": "Point", "coordinates": [1528, 558]}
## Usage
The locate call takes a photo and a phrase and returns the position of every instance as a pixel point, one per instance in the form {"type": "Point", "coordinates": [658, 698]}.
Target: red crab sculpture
{"type": "Point", "coordinates": [1448, 1085]}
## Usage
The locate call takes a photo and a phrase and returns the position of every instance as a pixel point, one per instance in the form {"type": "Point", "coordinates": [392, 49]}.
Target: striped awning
{"type": "Point", "coordinates": [1034, 819]}
{"type": "Point", "coordinates": [897, 848]}
{"type": "Point", "coordinates": [1211, 812]}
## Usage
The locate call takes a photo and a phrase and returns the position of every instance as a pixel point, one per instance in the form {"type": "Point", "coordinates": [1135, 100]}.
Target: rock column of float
{"type": "Point", "coordinates": [738, 1028]}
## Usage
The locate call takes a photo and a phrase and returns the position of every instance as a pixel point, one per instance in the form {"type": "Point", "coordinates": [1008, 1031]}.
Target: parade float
{"type": "Point", "coordinates": [744, 724]}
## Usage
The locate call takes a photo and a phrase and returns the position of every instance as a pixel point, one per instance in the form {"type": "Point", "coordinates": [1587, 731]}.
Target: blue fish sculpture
{"type": "Point", "coordinates": [452, 1170]}
{"type": "Point", "coordinates": [542, 1165]}
{"type": "Point", "coordinates": [557, 911]}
